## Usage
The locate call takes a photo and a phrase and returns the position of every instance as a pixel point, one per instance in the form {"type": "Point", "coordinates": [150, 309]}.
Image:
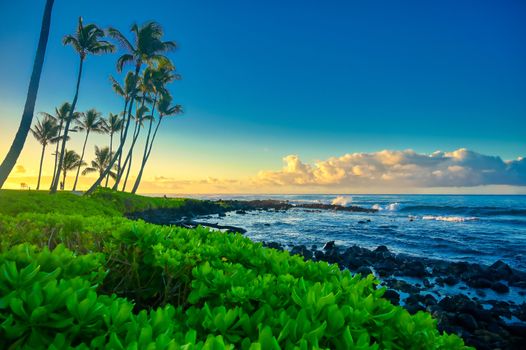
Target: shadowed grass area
{"type": "Point", "coordinates": [102, 202]}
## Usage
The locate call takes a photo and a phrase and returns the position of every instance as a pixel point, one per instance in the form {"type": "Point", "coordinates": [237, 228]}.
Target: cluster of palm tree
{"type": "Point", "coordinates": [146, 103]}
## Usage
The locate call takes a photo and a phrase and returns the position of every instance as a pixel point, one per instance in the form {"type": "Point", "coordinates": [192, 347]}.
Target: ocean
{"type": "Point", "coordinates": [472, 228]}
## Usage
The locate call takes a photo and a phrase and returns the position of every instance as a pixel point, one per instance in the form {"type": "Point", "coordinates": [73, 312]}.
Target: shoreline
{"type": "Point", "coordinates": [465, 298]}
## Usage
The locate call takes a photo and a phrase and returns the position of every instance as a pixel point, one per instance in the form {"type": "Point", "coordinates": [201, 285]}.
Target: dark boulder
{"type": "Point", "coordinates": [301, 250]}
{"type": "Point", "coordinates": [450, 280]}
{"type": "Point", "coordinates": [381, 249]}
{"type": "Point", "coordinates": [500, 287]}
{"type": "Point", "coordinates": [467, 321]}
{"type": "Point", "coordinates": [479, 282]}
{"type": "Point", "coordinates": [274, 245]}
{"type": "Point", "coordinates": [329, 245]}
{"type": "Point", "coordinates": [364, 271]}
{"type": "Point", "coordinates": [415, 269]}
{"type": "Point", "coordinates": [392, 296]}
{"type": "Point", "coordinates": [501, 269]}
{"type": "Point", "coordinates": [319, 255]}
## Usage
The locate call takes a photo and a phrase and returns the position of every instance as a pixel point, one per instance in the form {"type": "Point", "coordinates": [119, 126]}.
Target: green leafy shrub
{"type": "Point", "coordinates": [190, 288]}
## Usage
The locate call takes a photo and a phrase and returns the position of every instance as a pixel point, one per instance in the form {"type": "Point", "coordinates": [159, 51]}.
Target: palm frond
{"type": "Point", "coordinates": [124, 60]}
{"type": "Point", "coordinates": [120, 38]}
{"type": "Point", "coordinates": [71, 40]}
{"type": "Point", "coordinates": [103, 47]}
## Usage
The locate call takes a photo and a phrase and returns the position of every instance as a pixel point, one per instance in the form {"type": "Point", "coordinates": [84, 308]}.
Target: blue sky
{"type": "Point", "coordinates": [265, 79]}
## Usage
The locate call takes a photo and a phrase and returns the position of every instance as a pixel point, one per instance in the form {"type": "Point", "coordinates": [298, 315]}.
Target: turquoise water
{"type": "Point", "coordinates": [479, 229]}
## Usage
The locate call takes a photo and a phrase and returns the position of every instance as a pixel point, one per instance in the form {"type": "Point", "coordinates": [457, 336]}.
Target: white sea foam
{"type": "Point", "coordinates": [449, 218]}
{"type": "Point", "coordinates": [342, 200]}
{"type": "Point", "coordinates": [389, 207]}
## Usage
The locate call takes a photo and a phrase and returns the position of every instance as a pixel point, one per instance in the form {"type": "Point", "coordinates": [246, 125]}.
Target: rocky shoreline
{"type": "Point", "coordinates": [455, 293]}
{"type": "Point", "coordinates": [483, 304]}
{"type": "Point", "coordinates": [185, 215]}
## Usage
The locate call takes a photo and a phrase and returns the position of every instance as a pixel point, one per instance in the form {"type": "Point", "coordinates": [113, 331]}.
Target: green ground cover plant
{"type": "Point", "coordinates": [102, 281]}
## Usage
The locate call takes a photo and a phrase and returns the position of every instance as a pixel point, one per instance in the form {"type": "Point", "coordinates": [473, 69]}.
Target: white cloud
{"type": "Point", "coordinates": [460, 168]}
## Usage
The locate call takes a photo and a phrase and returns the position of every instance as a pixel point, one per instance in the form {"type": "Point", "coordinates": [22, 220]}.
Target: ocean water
{"type": "Point", "coordinates": [479, 229]}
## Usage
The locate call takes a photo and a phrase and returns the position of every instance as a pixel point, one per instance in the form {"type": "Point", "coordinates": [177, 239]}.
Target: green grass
{"type": "Point", "coordinates": [102, 202]}
{"type": "Point", "coordinates": [71, 280]}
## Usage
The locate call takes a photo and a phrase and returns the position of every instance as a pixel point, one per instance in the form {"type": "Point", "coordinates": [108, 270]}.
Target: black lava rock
{"type": "Point", "coordinates": [329, 245]}
{"type": "Point", "coordinates": [500, 287]}
{"type": "Point", "coordinates": [392, 296]}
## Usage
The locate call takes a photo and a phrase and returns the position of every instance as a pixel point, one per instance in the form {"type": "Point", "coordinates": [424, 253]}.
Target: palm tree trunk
{"type": "Point", "coordinates": [119, 151]}
{"type": "Point", "coordinates": [111, 145]}
{"type": "Point", "coordinates": [146, 146]}
{"type": "Point", "coordinates": [81, 159]}
{"type": "Point", "coordinates": [128, 160]}
{"type": "Point", "coordinates": [122, 132]}
{"type": "Point", "coordinates": [32, 91]}
{"type": "Point", "coordinates": [40, 167]}
{"type": "Point", "coordinates": [117, 154]}
{"type": "Point", "coordinates": [56, 152]}
{"type": "Point", "coordinates": [129, 157]}
{"type": "Point", "coordinates": [66, 128]}
{"type": "Point", "coordinates": [121, 147]}
{"type": "Point", "coordinates": [143, 165]}
{"type": "Point", "coordinates": [63, 187]}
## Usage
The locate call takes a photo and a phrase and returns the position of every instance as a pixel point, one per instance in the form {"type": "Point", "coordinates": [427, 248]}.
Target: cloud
{"type": "Point", "coordinates": [460, 168]}
{"type": "Point", "coordinates": [20, 169]}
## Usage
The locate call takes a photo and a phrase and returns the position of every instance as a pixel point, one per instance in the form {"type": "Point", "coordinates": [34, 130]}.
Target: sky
{"type": "Point", "coordinates": [299, 96]}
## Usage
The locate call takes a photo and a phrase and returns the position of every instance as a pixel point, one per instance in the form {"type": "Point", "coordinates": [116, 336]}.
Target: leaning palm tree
{"type": "Point", "coordinates": [90, 121]}
{"type": "Point", "coordinates": [165, 109]}
{"type": "Point", "coordinates": [147, 47]}
{"type": "Point", "coordinates": [140, 110]}
{"type": "Point", "coordinates": [44, 131]}
{"type": "Point", "coordinates": [126, 92]}
{"type": "Point", "coordinates": [140, 118]}
{"type": "Point", "coordinates": [112, 125]}
{"type": "Point", "coordinates": [71, 161]}
{"type": "Point", "coordinates": [101, 161]}
{"type": "Point", "coordinates": [85, 41]}
{"type": "Point", "coordinates": [27, 116]}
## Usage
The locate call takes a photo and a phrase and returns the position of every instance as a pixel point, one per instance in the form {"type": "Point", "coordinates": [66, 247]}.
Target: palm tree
{"type": "Point", "coordinates": [112, 125]}
{"type": "Point", "coordinates": [125, 91]}
{"type": "Point", "coordinates": [85, 41]}
{"type": "Point", "coordinates": [147, 47]}
{"type": "Point", "coordinates": [90, 121]}
{"type": "Point", "coordinates": [156, 79]}
{"type": "Point", "coordinates": [27, 116]}
{"type": "Point", "coordinates": [166, 109]}
{"type": "Point", "coordinates": [139, 115]}
{"type": "Point", "coordinates": [140, 118]}
{"type": "Point", "coordinates": [101, 161]}
{"type": "Point", "coordinates": [44, 131]}
{"type": "Point", "coordinates": [60, 116]}
{"type": "Point", "coordinates": [71, 161]}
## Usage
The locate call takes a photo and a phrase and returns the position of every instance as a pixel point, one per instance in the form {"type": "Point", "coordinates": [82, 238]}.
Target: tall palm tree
{"type": "Point", "coordinates": [112, 125]}
{"type": "Point", "coordinates": [165, 109]}
{"type": "Point", "coordinates": [140, 118]}
{"type": "Point", "coordinates": [126, 92]}
{"type": "Point", "coordinates": [147, 47]}
{"type": "Point", "coordinates": [90, 121]}
{"type": "Point", "coordinates": [60, 116]}
{"type": "Point", "coordinates": [27, 116]}
{"type": "Point", "coordinates": [101, 161]}
{"type": "Point", "coordinates": [86, 40]}
{"type": "Point", "coordinates": [44, 131]}
{"type": "Point", "coordinates": [140, 112]}
{"type": "Point", "coordinates": [156, 78]}
{"type": "Point", "coordinates": [71, 161]}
